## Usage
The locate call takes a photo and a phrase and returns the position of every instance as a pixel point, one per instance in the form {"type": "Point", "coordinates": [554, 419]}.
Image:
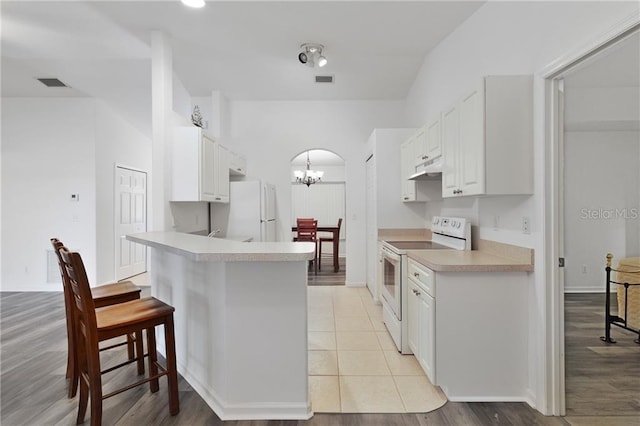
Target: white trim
{"type": "Point", "coordinates": [264, 411]}
{"type": "Point", "coordinates": [490, 399]}
{"type": "Point", "coordinates": [593, 47]}
{"type": "Point", "coordinates": [554, 315]}
{"type": "Point", "coordinates": [585, 289]}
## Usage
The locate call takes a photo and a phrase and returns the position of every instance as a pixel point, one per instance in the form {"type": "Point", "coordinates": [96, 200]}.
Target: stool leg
{"type": "Point", "coordinates": [81, 366]}
{"type": "Point", "coordinates": [172, 376]}
{"type": "Point", "coordinates": [154, 385]}
{"type": "Point", "coordinates": [72, 359]}
{"type": "Point", "coordinates": [130, 349]}
{"type": "Point", "coordinates": [139, 351]}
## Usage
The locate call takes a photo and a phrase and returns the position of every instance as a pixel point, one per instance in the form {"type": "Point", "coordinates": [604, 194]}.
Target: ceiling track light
{"type": "Point", "coordinates": [311, 55]}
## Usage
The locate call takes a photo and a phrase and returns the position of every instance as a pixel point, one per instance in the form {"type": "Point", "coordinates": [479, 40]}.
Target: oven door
{"type": "Point", "coordinates": [392, 277]}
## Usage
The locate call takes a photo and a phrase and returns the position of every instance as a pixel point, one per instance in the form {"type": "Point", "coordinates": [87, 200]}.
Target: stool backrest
{"type": "Point", "coordinates": [307, 229]}
{"type": "Point", "coordinates": [57, 245]}
{"type": "Point", "coordinates": [82, 300]}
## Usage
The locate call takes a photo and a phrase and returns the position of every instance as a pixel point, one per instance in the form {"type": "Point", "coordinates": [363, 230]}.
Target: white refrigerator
{"type": "Point", "coordinates": [252, 210]}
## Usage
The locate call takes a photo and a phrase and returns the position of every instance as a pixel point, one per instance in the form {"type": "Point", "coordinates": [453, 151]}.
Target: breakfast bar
{"type": "Point", "coordinates": [240, 320]}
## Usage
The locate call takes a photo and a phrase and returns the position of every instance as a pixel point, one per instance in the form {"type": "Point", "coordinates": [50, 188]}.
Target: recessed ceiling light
{"type": "Point", "coordinates": [193, 3]}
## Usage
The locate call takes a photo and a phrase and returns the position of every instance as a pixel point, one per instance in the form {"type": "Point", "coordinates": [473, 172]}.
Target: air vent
{"type": "Point", "coordinates": [324, 79]}
{"type": "Point", "coordinates": [52, 82]}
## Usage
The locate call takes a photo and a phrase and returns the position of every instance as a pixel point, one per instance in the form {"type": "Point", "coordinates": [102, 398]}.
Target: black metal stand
{"type": "Point", "coordinates": [614, 319]}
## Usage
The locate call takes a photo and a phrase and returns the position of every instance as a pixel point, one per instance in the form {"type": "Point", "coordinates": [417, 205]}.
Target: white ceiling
{"type": "Point", "coordinates": [247, 50]}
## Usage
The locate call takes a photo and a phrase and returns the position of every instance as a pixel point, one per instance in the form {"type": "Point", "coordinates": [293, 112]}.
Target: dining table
{"type": "Point", "coordinates": [335, 231]}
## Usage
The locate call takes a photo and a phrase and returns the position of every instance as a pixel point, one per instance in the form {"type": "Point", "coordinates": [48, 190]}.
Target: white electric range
{"type": "Point", "coordinates": [447, 233]}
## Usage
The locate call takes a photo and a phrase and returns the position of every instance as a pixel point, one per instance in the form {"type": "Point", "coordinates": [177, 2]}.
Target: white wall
{"type": "Point", "coordinates": [68, 145]}
{"type": "Point", "coordinates": [117, 143]}
{"type": "Point", "coordinates": [391, 211]}
{"type": "Point", "coordinates": [602, 178]}
{"type": "Point", "coordinates": [272, 133]}
{"type": "Point", "coordinates": [511, 38]}
{"type": "Point", "coordinates": [48, 153]}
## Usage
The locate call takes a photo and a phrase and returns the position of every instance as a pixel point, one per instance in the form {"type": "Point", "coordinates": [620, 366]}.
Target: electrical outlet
{"type": "Point", "coordinates": [526, 228]}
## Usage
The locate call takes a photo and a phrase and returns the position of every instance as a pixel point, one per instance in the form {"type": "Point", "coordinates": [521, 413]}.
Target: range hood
{"type": "Point", "coordinates": [428, 171]}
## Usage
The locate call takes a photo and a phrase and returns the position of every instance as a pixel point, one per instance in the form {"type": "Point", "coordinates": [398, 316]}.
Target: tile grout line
{"type": "Point", "coordinates": [335, 330]}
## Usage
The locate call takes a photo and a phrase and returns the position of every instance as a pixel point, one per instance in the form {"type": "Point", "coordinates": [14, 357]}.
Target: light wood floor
{"type": "Point", "coordinates": [33, 387]}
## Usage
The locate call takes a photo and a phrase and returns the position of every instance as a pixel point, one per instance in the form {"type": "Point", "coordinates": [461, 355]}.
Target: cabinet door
{"type": "Point", "coordinates": [407, 168]}
{"type": "Point", "coordinates": [433, 140]}
{"type": "Point", "coordinates": [472, 155]}
{"type": "Point", "coordinates": [222, 174]}
{"type": "Point", "coordinates": [450, 152]}
{"type": "Point", "coordinates": [427, 337]}
{"type": "Point", "coordinates": [414, 318]}
{"type": "Point", "coordinates": [207, 169]}
{"type": "Point", "coordinates": [420, 148]}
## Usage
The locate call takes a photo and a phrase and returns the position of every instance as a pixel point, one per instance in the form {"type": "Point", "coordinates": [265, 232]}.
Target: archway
{"type": "Point", "coordinates": [323, 197]}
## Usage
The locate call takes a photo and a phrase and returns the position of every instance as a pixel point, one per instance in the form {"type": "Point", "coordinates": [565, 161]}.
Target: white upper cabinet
{"type": "Point", "coordinates": [433, 140]}
{"type": "Point", "coordinates": [407, 168]}
{"type": "Point", "coordinates": [487, 139]}
{"type": "Point", "coordinates": [428, 143]}
{"type": "Point", "coordinates": [420, 148]}
{"type": "Point", "coordinates": [200, 167]}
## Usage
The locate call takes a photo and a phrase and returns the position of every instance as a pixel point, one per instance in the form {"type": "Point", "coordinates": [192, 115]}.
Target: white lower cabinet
{"type": "Point", "coordinates": [421, 316]}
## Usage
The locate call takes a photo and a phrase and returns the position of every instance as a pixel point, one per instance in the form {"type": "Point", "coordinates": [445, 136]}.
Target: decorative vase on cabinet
{"type": "Point", "coordinates": [200, 167]}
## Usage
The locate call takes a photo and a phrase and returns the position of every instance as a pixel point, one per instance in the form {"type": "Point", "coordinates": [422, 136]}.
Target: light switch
{"type": "Point", "coordinates": [75, 197]}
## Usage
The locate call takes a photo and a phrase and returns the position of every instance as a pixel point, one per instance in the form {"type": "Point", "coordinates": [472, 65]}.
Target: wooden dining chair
{"type": "Point", "coordinates": [307, 230]}
{"type": "Point", "coordinates": [104, 295]}
{"type": "Point", "coordinates": [336, 265]}
{"type": "Point", "coordinates": [94, 326]}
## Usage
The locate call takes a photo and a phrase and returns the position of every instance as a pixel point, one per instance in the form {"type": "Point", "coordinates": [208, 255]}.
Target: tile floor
{"type": "Point", "coordinates": [354, 366]}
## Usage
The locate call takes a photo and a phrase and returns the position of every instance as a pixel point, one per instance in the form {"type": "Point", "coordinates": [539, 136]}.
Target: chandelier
{"type": "Point", "coordinates": [308, 176]}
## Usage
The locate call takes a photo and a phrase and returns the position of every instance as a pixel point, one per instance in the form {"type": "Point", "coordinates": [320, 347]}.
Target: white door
{"type": "Point", "coordinates": [131, 217]}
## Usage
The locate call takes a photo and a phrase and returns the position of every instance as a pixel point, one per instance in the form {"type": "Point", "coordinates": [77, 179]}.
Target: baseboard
{"type": "Point", "coordinates": [258, 411]}
{"type": "Point", "coordinates": [355, 284]}
{"type": "Point", "coordinates": [586, 290]}
{"type": "Point", "coordinates": [488, 399]}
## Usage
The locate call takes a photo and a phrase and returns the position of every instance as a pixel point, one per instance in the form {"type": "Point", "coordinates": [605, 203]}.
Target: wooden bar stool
{"type": "Point", "coordinates": [307, 230]}
{"type": "Point", "coordinates": [112, 321]}
{"type": "Point", "coordinates": [104, 295]}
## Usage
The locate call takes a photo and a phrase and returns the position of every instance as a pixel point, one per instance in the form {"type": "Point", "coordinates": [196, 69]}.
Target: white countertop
{"type": "Point", "coordinates": [207, 249]}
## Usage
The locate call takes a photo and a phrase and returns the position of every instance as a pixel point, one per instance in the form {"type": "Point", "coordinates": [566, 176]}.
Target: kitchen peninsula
{"type": "Point", "coordinates": [240, 320]}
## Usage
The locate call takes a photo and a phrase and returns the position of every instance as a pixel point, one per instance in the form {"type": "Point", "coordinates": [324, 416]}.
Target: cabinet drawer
{"type": "Point", "coordinates": [422, 276]}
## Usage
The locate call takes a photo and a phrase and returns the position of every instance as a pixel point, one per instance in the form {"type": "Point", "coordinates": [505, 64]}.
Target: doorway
{"type": "Point", "coordinates": [325, 200]}
{"type": "Point", "coordinates": [130, 218]}
{"type": "Point", "coordinates": [587, 143]}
